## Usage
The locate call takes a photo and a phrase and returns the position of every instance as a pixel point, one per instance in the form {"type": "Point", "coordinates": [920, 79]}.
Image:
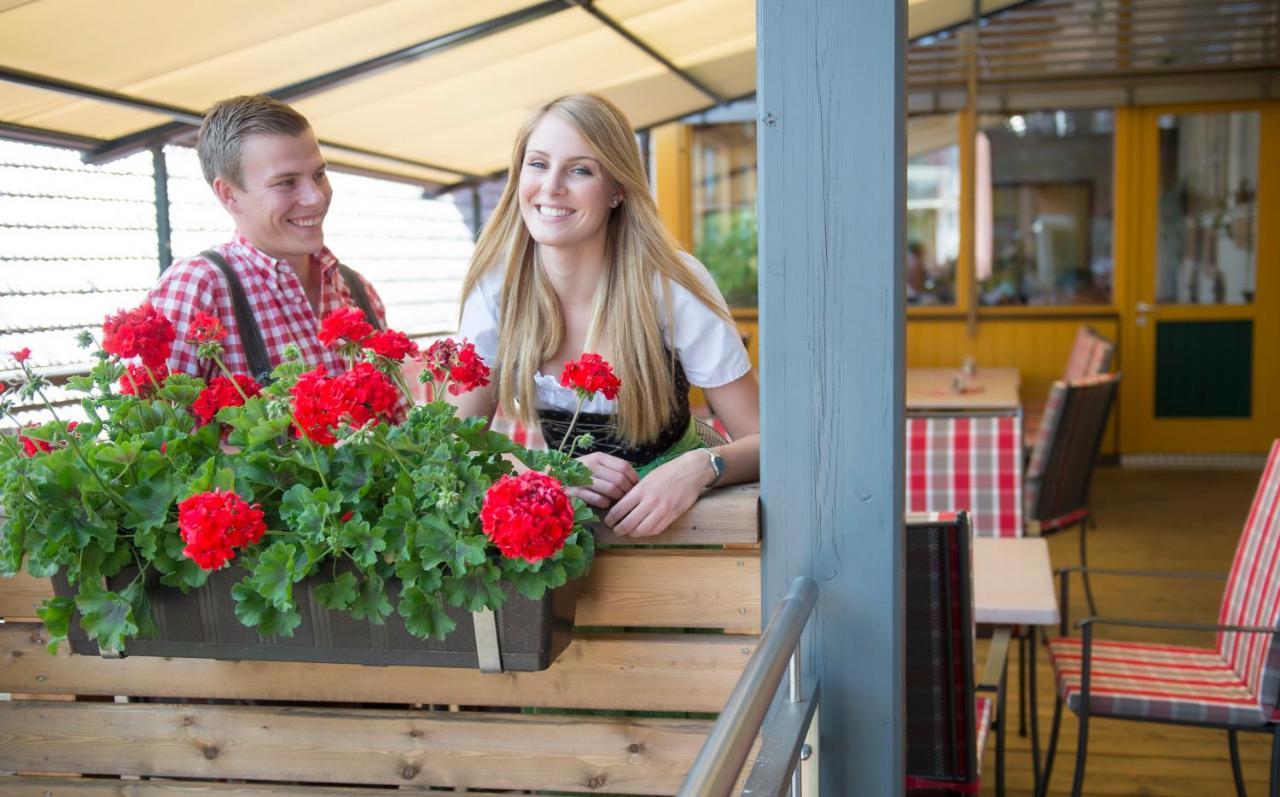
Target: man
{"type": "Point", "coordinates": [264, 164]}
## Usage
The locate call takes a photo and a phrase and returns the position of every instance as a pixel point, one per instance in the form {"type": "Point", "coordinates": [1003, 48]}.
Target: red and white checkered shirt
{"type": "Point", "coordinates": [194, 285]}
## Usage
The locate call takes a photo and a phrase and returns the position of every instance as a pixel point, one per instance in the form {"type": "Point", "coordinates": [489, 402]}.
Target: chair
{"type": "Point", "coordinates": [1234, 685]}
{"type": "Point", "coordinates": [1091, 355]}
{"type": "Point", "coordinates": [1056, 491]}
{"type": "Point", "coordinates": [947, 720]}
{"type": "Point", "coordinates": [967, 462]}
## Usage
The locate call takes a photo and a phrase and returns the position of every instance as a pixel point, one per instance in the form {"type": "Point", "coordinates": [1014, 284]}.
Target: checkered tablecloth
{"type": "Point", "coordinates": [967, 462]}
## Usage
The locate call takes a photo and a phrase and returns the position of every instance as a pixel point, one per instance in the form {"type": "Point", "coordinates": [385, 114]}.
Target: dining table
{"type": "Point", "coordinates": [963, 390]}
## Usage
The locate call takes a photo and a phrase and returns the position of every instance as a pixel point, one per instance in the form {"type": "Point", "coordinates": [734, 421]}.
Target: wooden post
{"type": "Point", "coordinates": [832, 198]}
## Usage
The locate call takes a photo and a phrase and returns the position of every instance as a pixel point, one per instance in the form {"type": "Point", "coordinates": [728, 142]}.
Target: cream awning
{"type": "Point", "coordinates": [437, 114]}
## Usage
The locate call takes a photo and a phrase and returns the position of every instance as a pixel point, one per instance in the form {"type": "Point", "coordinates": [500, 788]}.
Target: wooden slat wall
{"type": "Point", "coordinates": [1037, 347]}
{"type": "Point", "coordinates": [654, 582]}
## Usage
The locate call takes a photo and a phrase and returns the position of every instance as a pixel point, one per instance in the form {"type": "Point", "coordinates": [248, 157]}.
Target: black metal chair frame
{"type": "Point", "coordinates": [1086, 627]}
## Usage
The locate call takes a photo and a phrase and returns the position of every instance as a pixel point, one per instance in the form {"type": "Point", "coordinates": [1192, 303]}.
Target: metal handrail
{"type": "Point", "coordinates": [719, 763]}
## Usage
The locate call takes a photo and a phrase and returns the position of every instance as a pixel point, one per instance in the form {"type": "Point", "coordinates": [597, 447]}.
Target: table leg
{"type": "Point", "coordinates": [1032, 632]}
{"type": "Point", "coordinates": [1002, 699]}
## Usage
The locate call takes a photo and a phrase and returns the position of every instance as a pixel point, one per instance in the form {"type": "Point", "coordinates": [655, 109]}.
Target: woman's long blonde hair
{"type": "Point", "coordinates": [638, 248]}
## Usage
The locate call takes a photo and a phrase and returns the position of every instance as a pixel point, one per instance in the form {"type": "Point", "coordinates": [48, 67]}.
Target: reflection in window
{"type": "Point", "coordinates": [724, 207]}
{"type": "Point", "coordinates": [1207, 208]}
{"type": "Point", "coordinates": [1050, 201]}
{"type": "Point", "coordinates": [933, 209]}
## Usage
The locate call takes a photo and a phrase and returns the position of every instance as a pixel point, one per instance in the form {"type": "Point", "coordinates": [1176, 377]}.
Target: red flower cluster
{"type": "Point", "coordinates": [20, 355]}
{"type": "Point", "coordinates": [458, 364]}
{"type": "Point", "coordinates": [590, 374]}
{"type": "Point", "coordinates": [391, 344]}
{"type": "Point", "coordinates": [31, 446]}
{"type": "Point", "coordinates": [344, 325]}
{"type": "Point", "coordinates": [222, 393]}
{"type": "Point", "coordinates": [322, 402]}
{"type": "Point", "coordinates": [205, 328]}
{"type": "Point", "coordinates": [527, 516]}
{"type": "Point", "coordinates": [142, 332]}
{"type": "Point", "coordinates": [213, 524]}
{"type": "Point", "coordinates": [139, 376]}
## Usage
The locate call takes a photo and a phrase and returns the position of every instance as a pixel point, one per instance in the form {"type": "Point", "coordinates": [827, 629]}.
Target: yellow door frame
{"type": "Point", "coordinates": [1137, 178]}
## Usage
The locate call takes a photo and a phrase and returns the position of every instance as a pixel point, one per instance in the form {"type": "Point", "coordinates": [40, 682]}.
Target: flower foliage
{"type": "Point", "coordinates": [316, 475]}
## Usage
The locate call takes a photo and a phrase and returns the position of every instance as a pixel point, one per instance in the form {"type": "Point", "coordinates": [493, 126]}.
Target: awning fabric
{"type": "Point", "coordinates": [437, 119]}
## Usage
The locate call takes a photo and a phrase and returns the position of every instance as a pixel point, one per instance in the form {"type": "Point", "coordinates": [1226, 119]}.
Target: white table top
{"type": "Point", "coordinates": [1013, 582]}
{"type": "Point", "coordinates": [985, 389]}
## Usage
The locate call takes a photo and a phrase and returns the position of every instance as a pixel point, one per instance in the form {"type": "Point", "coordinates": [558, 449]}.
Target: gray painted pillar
{"type": "Point", "coordinates": [832, 199]}
{"type": "Point", "coordinates": [164, 232]}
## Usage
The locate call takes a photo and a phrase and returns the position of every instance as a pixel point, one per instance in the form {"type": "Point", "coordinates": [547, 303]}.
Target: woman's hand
{"type": "Point", "coordinates": [662, 496]}
{"type": "Point", "coordinates": [611, 478]}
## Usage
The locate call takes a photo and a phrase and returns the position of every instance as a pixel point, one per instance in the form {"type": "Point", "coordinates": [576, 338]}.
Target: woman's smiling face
{"type": "Point", "coordinates": [565, 195]}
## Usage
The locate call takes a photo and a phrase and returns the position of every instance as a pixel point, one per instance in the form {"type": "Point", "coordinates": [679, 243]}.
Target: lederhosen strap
{"type": "Point", "coordinates": [255, 349]}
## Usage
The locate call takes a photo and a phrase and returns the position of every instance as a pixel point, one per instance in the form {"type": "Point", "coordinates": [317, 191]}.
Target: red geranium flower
{"type": "Point", "coordinates": [139, 375]}
{"type": "Point", "coordinates": [142, 332]}
{"type": "Point", "coordinates": [213, 524]}
{"type": "Point", "coordinates": [321, 402]}
{"type": "Point", "coordinates": [205, 328]}
{"type": "Point", "coordinates": [222, 393]}
{"type": "Point", "coordinates": [31, 446]}
{"type": "Point", "coordinates": [344, 325]}
{"type": "Point", "coordinates": [527, 516]}
{"type": "Point", "coordinates": [440, 357]}
{"type": "Point", "coordinates": [590, 374]}
{"type": "Point", "coordinates": [20, 355]}
{"type": "Point", "coordinates": [391, 344]}
{"type": "Point", "coordinates": [468, 372]}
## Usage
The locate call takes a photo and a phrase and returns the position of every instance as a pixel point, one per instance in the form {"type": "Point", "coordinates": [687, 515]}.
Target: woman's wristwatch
{"type": "Point", "coordinates": [717, 465]}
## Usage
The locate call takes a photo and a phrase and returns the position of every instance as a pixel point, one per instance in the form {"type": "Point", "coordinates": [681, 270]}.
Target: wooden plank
{"type": "Point", "coordinates": [357, 746]}
{"type": "Point", "coordinates": [727, 516]}
{"type": "Point", "coordinates": [661, 588]}
{"type": "Point", "coordinates": [688, 589]}
{"type": "Point", "coordinates": [693, 672]}
{"type": "Point", "coordinates": [110, 787]}
{"type": "Point", "coordinates": [21, 594]}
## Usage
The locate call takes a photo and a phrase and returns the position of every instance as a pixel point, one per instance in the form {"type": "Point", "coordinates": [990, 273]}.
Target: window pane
{"type": "Point", "coordinates": [933, 209]}
{"type": "Point", "coordinates": [1207, 208]}
{"type": "Point", "coordinates": [724, 207]}
{"type": "Point", "coordinates": [1049, 206]}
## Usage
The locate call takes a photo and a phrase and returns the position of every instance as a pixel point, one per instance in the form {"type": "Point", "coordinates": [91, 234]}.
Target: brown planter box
{"type": "Point", "coordinates": [202, 624]}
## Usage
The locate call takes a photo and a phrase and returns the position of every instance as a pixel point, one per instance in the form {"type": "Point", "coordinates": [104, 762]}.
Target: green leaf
{"type": "Point", "coordinates": [479, 589]}
{"type": "Point", "coordinates": [150, 501]}
{"type": "Point", "coordinates": [424, 614]}
{"type": "Point", "coordinates": [306, 510]}
{"type": "Point", "coordinates": [371, 602]}
{"type": "Point", "coordinates": [363, 543]}
{"type": "Point", "coordinates": [255, 611]}
{"type": "Point", "coordinates": [339, 593]}
{"type": "Point", "coordinates": [182, 389]}
{"type": "Point", "coordinates": [56, 614]}
{"type": "Point", "coordinates": [275, 572]}
{"type": "Point", "coordinates": [106, 616]}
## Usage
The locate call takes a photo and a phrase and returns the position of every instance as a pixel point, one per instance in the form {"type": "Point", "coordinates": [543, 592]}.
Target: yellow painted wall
{"type": "Point", "coordinates": [1037, 346]}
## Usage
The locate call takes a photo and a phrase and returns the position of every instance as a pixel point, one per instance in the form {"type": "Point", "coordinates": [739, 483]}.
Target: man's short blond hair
{"type": "Point", "coordinates": [230, 122]}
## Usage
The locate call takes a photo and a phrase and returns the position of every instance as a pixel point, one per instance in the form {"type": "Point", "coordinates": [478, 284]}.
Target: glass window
{"type": "Point", "coordinates": [1207, 208]}
{"type": "Point", "coordinates": [933, 209]}
{"type": "Point", "coordinates": [1043, 199]}
{"type": "Point", "coordinates": [724, 207]}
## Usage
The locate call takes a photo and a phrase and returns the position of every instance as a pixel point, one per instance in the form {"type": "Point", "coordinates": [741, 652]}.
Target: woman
{"type": "Point", "coordinates": [575, 259]}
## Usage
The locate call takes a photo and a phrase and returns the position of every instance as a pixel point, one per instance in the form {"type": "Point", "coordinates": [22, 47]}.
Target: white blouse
{"type": "Point", "coordinates": [709, 348]}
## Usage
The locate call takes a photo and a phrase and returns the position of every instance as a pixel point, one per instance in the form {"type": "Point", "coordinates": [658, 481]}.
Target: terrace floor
{"type": "Point", "coordinates": [1149, 519]}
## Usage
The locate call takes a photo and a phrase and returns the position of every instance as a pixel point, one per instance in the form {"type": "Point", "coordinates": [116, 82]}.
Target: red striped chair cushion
{"type": "Point", "coordinates": [966, 462]}
{"type": "Point", "coordinates": [984, 708]}
{"type": "Point", "coordinates": [1252, 595]}
{"type": "Point", "coordinates": [1147, 681]}
{"type": "Point", "coordinates": [1081, 353]}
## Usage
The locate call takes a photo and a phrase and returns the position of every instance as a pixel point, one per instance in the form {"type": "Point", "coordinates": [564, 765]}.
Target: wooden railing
{"type": "Point", "coordinates": [299, 729]}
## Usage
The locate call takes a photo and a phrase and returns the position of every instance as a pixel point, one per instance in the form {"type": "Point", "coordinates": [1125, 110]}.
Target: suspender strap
{"type": "Point", "coordinates": [250, 333]}
{"type": "Point", "coordinates": [355, 286]}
